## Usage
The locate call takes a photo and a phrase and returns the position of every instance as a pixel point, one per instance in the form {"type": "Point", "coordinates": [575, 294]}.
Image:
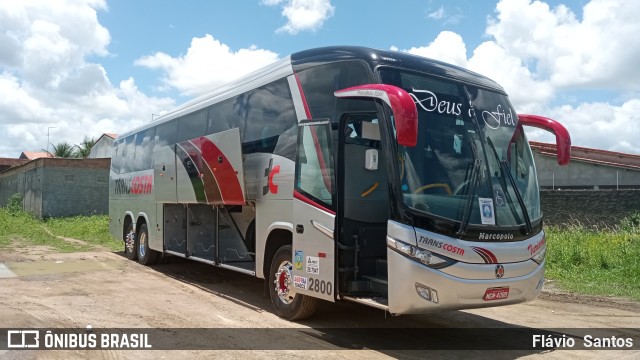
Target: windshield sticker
{"type": "Point", "coordinates": [297, 260]}
{"type": "Point", "coordinates": [494, 119]}
{"type": "Point", "coordinates": [313, 265]}
{"type": "Point", "coordinates": [457, 144]}
{"type": "Point", "coordinates": [442, 104]}
{"type": "Point", "coordinates": [300, 282]}
{"type": "Point", "coordinates": [486, 211]}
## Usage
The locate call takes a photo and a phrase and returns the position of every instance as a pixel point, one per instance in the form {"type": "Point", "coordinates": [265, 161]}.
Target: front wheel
{"type": "Point", "coordinates": [289, 305]}
{"type": "Point", "coordinates": [146, 256]}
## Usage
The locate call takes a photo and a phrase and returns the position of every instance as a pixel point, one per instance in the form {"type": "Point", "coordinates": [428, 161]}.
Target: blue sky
{"type": "Point", "coordinates": [86, 67]}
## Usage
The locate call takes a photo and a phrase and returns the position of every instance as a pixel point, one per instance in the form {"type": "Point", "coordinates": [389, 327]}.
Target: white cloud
{"type": "Point", "coordinates": [437, 15]}
{"type": "Point", "coordinates": [600, 50]}
{"type": "Point", "coordinates": [303, 15]}
{"type": "Point", "coordinates": [447, 46]}
{"type": "Point", "coordinates": [46, 80]}
{"type": "Point", "coordinates": [537, 53]}
{"type": "Point", "coordinates": [207, 65]}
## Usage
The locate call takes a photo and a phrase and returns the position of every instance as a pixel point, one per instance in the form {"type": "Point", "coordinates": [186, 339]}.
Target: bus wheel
{"type": "Point", "coordinates": [146, 256]}
{"type": "Point", "coordinates": [289, 305]}
{"type": "Point", "coordinates": [130, 242]}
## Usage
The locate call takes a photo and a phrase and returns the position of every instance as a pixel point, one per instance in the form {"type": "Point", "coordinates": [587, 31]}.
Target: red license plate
{"type": "Point", "coordinates": [499, 293]}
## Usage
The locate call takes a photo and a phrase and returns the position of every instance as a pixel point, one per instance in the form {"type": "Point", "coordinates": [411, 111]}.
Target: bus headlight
{"type": "Point", "coordinates": [429, 259]}
{"type": "Point", "coordinates": [424, 256]}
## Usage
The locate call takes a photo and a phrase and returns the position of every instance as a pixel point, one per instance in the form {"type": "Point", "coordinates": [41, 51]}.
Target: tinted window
{"type": "Point", "coordinates": [265, 116]}
{"type": "Point", "coordinates": [128, 152]}
{"type": "Point", "coordinates": [144, 149]}
{"type": "Point", "coordinates": [116, 157]}
{"type": "Point", "coordinates": [269, 119]}
{"type": "Point", "coordinates": [192, 125]}
{"type": "Point", "coordinates": [320, 82]}
{"type": "Point", "coordinates": [166, 134]}
{"type": "Point", "coordinates": [222, 116]}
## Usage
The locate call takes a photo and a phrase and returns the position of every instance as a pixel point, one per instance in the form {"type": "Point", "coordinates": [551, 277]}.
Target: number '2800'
{"type": "Point", "coordinates": [320, 286]}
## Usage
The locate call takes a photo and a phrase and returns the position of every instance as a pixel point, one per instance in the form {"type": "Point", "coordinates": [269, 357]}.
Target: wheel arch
{"type": "Point", "coordinates": [141, 219]}
{"type": "Point", "coordinates": [127, 219]}
{"type": "Point", "coordinates": [277, 238]}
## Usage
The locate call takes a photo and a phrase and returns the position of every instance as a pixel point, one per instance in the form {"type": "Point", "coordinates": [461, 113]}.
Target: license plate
{"type": "Point", "coordinates": [499, 293]}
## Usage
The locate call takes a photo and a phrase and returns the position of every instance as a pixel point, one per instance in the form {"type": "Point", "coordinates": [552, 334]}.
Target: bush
{"type": "Point", "coordinates": [14, 204]}
{"type": "Point", "coordinates": [631, 223]}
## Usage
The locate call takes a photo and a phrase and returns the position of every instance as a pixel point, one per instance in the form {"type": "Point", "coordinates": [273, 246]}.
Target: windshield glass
{"type": "Point", "coordinates": [469, 154]}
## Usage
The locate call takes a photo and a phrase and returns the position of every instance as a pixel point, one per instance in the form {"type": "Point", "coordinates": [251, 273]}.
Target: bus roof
{"type": "Point", "coordinates": [308, 58]}
{"type": "Point", "coordinates": [376, 57]}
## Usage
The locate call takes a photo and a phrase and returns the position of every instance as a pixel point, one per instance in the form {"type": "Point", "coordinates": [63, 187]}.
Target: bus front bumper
{"type": "Point", "coordinates": [415, 288]}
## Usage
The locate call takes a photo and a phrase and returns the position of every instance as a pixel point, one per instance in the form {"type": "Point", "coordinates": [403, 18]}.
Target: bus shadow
{"type": "Point", "coordinates": [344, 325]}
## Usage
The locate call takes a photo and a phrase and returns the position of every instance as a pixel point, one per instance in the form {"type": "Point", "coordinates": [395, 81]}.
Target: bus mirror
{"type": "Point", "coordinates": [402, 105]}
{"type": "Point", "coordinates": [563, 139]}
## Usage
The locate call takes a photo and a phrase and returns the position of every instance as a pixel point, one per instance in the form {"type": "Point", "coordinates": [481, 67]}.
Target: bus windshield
{"type": "Point", "coordinates": [472, 163]}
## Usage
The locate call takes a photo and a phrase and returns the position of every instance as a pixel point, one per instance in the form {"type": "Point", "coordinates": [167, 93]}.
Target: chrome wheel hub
{"type": "Point", "coordinates": [283, 283]}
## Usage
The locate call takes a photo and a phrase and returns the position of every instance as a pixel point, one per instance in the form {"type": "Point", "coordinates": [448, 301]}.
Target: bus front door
{"type": "Point", "coordinates": [313, 212]}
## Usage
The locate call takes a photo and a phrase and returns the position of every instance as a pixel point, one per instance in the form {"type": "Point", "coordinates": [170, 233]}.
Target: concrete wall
{"type": "Point", "coordinates": [583, 174]}
{"type": "Point", "coordinates": [59, 187]}
{"type": "Point", "coordinates": [588, 207]}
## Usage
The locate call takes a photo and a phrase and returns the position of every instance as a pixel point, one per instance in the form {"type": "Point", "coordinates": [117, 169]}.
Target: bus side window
{"type": "Point", "coordinates": [144, 150]}
{"type": "Point", "coordinates": [165, 134]}
{"type": "Point", "coordinates": [115, 158]}
{"type": "Point", "coordinates": [126, 161]}
{"type": "Point", "coordinates": [192, 125]}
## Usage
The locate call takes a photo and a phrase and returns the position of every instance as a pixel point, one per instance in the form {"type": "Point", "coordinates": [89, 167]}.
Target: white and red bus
{"type": "Point", "coordinates": [344, 173]}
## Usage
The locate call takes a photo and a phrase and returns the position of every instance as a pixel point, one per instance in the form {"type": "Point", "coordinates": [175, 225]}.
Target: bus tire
{"type": "Point", "coordinates": [146, 256]}
{"type": "Point", "coordinates": [288, 304]}
{"type": "Point", "coordinates": [130, 241]}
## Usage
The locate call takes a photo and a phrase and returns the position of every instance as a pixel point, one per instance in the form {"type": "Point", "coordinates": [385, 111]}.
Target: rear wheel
{"type": "Point", "coordinates": [130, 241]}
{"type": "Point", "coordinates": [146, 256]}
{"type": "Point", "coordinates": [289, 305]}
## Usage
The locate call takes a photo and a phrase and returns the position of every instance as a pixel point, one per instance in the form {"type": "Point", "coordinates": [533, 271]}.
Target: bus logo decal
{"type": "Point", "coordinates": [217, 180]}
{"type": "Point", "coordinates": [269, 173]}
{"type": "Point", "coordinates": [486, 255]}
{"type": "Point", "coordinates": [135, 185]}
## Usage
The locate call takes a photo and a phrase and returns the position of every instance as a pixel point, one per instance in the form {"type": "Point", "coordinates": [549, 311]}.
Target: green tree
{"type": "Point", "coordinates": [63, 150]}
{"type": "Point", "coordinates": [84, 148]}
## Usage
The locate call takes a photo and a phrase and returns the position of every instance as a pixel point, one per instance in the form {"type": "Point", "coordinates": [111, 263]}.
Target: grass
{"type": "Point", "coordinates": [20, 229]}
{"type": "Point", "coordinates": [595, 262]}
{"type": "Point", "coordinates": [580, 259]}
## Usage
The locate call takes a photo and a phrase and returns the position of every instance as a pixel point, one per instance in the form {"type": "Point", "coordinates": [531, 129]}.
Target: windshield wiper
{"type": "Point", "coordinates": [504, 168]}
{"type": "Point", "coordinates": [464, 223]}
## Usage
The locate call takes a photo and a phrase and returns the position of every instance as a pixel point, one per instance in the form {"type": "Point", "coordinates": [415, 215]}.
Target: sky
{"type": "Point", "coordinates": [76, 68]}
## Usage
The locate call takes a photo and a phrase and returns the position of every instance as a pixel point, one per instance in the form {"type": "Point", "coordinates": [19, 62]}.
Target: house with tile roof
{"type": "Point", "coordinates": [32, 155]}
{"type": "Point", "coordinates": [589, 168]}
{"type": "Point", "coordinates": [103, 147]}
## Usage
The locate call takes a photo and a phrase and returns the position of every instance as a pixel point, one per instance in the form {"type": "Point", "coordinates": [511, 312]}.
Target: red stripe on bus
{"type": "Point", "coordinates": [223, 171]}
{"type": "Point", "coordinates": [487, 256]}
{"type": "Point", "coordinates": [211, 190]}
{"type": "Point", "coordinates": [306, 200]}
{"type": "Point", "coordinates": [304, 99]}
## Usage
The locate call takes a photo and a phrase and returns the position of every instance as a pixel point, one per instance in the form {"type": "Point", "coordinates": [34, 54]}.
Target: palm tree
{"type": "Point", "coordinates": [84, 148]}
{"type": "Point", "coordinates": [63, 150]}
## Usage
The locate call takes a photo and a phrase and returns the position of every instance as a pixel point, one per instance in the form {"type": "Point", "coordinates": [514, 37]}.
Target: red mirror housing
{"type": "Point", "coordinates": [402, 105]}
{"type": "Point", "coordinates": [563, 139]}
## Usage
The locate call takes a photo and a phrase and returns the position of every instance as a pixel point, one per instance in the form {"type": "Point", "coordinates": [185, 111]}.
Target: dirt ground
{"type": "Point", "coordinates": [44, 289]}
